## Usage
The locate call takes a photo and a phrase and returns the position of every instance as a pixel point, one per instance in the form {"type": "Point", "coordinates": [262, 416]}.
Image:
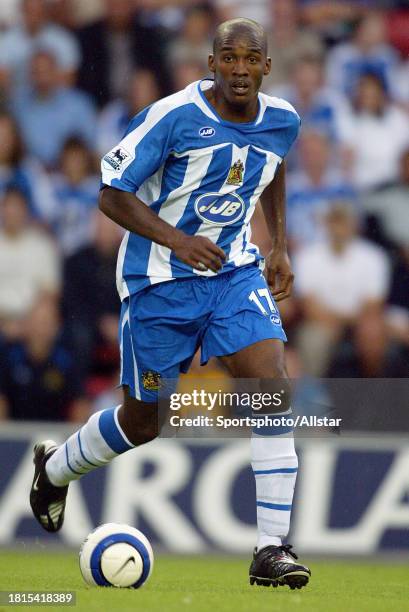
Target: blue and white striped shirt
{"type": "Point", "coordinates": [199, 173]}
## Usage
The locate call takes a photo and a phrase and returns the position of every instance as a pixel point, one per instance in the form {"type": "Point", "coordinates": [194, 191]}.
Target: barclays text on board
{"type": "Point", "coordinates": [197, 496]}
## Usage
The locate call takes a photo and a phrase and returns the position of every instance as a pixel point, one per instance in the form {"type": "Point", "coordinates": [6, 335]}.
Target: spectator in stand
{"type": "Point", "coordinates": [390, 207]}
{"type": "Point", "coordinates": [194, 43]}
{"type": "Point", "coordinates": [86, 12]}
{"type": "Point", "coordinates": [312, 188]}
{"type": "Point", "coordinates": [167, 15]}
{"type": "Point", "coordinates": [397, 315]}
{"type": "Point", "coordinates": [342, 284]}
{"type": "Point", "coordinates": [143, 90]}
{"type": "Point", "coordinates": [319, 106]}
{"type": "Point", "coordinates": [29, 263]}
{"type": "Point", "coordinates": [91, 303]}
{"type": "Point", "coordinates": [18, 45]}
{"type": "Point", "coordinates": [400, 85]}
{"type": "Point", "coordinates": [397, 18]}
{"type": "Point", "coordinates": [26, 174]}
{"type": "Point", "coordinates": [368, 51]}
{"type": "Point", "coordinates": [259, 10]}
{"type": "Point", "coordinates": [76, 188]}
{"type": "Point", "coordinates": [187, 72]}
{"type": "Point", "coordinates": [9, 13]}
{"type": "Point", "coordinates": [38, 375]}
{"type": "Point", "coordinates": [113, 47]}
{"type": "Point", "coordinates": [332, 19]}
{"type": "Point", "coordinates": [48, 113]}
{"type": "Point", "coordinates": [288, 42]}
{"type": "Point", "coordinates": [65, 12]}
{"type": "Point", "coordinates": [377, 133]}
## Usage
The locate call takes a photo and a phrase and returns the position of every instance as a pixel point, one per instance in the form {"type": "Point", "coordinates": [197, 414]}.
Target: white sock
{"type": "Point", "coordinates": [275, 465]}
{"type": "Point", "coordinates": [95, 444]}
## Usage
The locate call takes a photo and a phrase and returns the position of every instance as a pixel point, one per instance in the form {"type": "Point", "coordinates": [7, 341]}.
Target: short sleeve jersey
{"type": "Point", "coordinates": [199, 173]}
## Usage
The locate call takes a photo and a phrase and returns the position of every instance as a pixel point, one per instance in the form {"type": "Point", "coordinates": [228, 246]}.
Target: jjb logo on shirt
{"type": "Point", "coordinates": [219, 209]}
{"type": "Point", "coordinates": [207, 132]}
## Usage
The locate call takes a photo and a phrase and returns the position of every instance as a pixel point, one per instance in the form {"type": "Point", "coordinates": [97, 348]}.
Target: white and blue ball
{"type": "Point", "coordinates": [116, 555]}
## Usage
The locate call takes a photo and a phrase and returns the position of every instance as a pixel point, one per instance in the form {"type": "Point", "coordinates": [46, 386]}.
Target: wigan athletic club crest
{"type": "Point", "coordinates": [236, 173]}
{"type": "Point", "coordinates": [151, 380]}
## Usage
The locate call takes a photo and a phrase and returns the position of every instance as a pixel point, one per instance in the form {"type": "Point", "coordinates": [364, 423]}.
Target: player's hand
{"type": "Point", "coordinates": [279, 274]}
{"type": "Point", "coordinates": [199, 252]}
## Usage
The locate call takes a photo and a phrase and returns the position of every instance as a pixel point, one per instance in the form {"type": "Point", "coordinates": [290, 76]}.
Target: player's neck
{"type": "Point", "coordinates": [228, 112]}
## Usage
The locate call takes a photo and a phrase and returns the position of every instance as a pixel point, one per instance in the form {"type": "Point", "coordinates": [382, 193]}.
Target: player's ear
{"type": "Point", "coordinates": [210, 63]}
{"type": "Point", "coordinates": [267, 66]}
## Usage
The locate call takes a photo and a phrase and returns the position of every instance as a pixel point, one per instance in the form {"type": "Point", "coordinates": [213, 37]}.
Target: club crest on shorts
{"type": "Point", "coordinates": [117, 159]}
{"type": "Point", "coordinates": [235, 176]}
{"type": "Point", "coordinates": [151, 380]}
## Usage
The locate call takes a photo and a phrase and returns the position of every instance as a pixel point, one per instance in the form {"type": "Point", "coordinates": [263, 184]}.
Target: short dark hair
{"type": "Point", "coordinates": [240, 26]}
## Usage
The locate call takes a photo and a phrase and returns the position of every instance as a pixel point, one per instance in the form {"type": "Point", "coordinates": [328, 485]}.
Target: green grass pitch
{"type": "Point", "coordinates": [212, 584]}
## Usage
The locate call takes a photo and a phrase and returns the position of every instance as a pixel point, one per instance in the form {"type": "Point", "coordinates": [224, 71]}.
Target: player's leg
{"type": "Point", "coordinates": [102, 438]}
{"type": "Point", "coordinates": [262, 359]}
{"type": "Point", "coordinates": [247, 336]}
{"type": "Point", "coordinates": [138, 420]}
{"type": "Point", "coordinates": [152, 347]}
{"type": "Point", "coordinates": [275, 465]}
{"type": "Point", "coordinates": [106, 435]}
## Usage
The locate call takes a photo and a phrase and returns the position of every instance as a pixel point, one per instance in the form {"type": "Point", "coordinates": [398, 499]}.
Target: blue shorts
{"type": "Point", "coordinates": [162, 326]}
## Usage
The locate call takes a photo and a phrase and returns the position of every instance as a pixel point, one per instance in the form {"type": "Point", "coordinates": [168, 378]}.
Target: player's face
{"type": "Point", "coordinates": [239, 65]}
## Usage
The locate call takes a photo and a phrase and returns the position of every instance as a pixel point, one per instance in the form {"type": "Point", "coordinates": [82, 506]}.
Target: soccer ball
{"type": "Point", "coordinates": [116, 555]}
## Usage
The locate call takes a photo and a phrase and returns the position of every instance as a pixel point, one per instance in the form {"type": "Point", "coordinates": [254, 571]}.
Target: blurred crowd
{"type": "Point", "coordinates": [73, 73]}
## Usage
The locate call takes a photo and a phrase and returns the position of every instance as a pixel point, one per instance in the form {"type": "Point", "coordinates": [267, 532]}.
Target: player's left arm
{"type": "Point", "coordinates": [279, 274]}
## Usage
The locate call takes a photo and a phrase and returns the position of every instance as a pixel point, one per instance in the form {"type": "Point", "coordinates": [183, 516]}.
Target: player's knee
{"type": "Point", "coordinates": [275, 367]}
{"type": "Point", "coordinates": [139, 420]}
{"type": "Point", "coordinates": [270, 361]}
{"type": "Point", "coordinates": [277, 387]}
{"type": "Point", "coordinates": [277, 384]}
{"type": "Point", "coordinates": [278, 371]}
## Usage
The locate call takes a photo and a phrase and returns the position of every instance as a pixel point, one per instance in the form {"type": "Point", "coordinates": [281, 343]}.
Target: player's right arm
{"type": "Point", "coordinates": [132, 214]}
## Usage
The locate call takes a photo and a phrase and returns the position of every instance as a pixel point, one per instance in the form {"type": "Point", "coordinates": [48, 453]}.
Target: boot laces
{"type": "Point", "coordinates": [286, 548]}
